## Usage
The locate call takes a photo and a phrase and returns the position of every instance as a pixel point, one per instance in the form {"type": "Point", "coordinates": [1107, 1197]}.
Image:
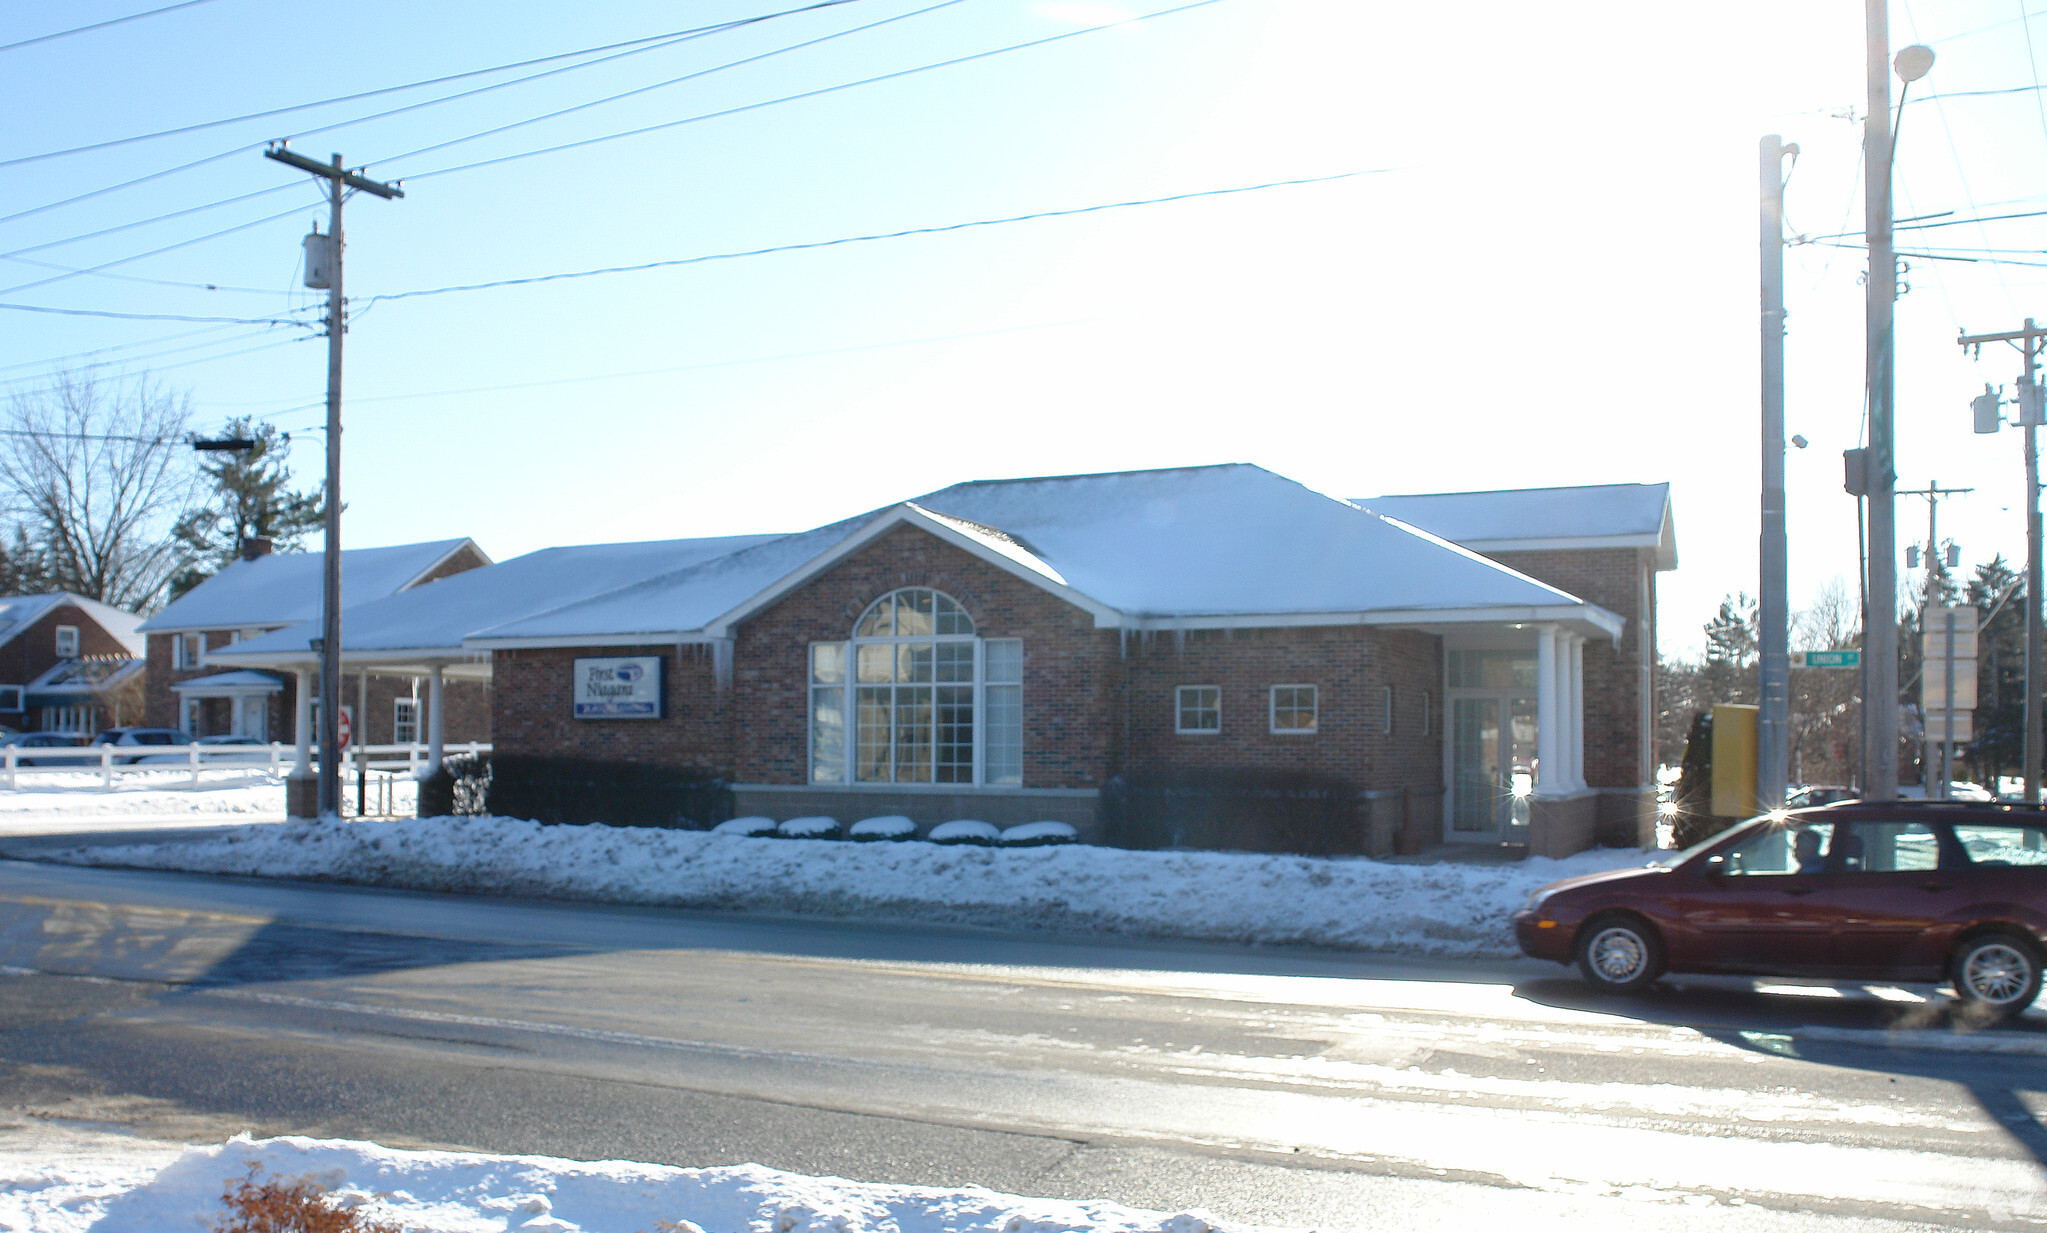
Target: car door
{"type": "Point", "coordinates": [1893, 882]}
{"type": "Point", "coordinates": [1752, 910]}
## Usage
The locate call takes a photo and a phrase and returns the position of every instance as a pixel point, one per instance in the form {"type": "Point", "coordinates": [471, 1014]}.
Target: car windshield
{"type": "Point", "coordinates": [1671, 860]}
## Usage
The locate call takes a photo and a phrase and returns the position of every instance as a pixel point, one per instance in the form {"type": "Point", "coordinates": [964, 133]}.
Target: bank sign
{"type": "Point", "coordinates": [627, 688]}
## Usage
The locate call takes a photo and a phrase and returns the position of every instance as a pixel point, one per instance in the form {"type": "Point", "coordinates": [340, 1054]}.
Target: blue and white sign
{"type": "Point", "coordinates": [626, 688]}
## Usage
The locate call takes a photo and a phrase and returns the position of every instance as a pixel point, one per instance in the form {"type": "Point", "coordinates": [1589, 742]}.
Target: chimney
{"type": "Point", "coordinates": [255, 546]}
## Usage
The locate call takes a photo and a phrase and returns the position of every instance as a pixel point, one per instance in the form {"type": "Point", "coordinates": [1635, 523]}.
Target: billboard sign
{"type": "Point", "coordinates": [624, 688]}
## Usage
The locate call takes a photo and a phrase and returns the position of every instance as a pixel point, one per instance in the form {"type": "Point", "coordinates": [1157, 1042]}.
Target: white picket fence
{"type": "Point", "coordinates": [118, 760]}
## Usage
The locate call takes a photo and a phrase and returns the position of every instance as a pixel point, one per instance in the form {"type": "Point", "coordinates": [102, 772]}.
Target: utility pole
{"type": "Point", "coordinates": [1773, 603]}
{"type": "Point", "coordinates": [1933, 492]}
{"type": "Point", "coordinates": [2029, 341]}
{"type": "Point", "coordinates": [338, 179]}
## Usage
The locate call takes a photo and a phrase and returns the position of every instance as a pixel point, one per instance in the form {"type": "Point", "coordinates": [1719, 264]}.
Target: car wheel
{"type": "Point", "coordinates": [1619, 954]}
{"type": "Point", "coordinates": [1996, 971]}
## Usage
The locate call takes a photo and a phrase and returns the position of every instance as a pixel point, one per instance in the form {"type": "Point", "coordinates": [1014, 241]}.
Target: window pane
{"type": "Point", "coordinates": [950, 618]}
{"type": "Point", "coordinates": [913, 661]}
{"type": "Point", "coordinates": [1002, 746]}
{"type": "Point", "coordinates": [874, 719]}
{"type": "Point", "coordinates": [1293, 708]}
{"type": "Point", "coordinates": [828, 663]}
{"type": "Point", "coordinates": [1778, 851]}
{"type": "Point", "coordinates": [879, 621]}
{"type": "Point", "coordinates": [955, 661]}
{"type": "Point", "coordinates": [828, 734]}
{"type": "Point", "coordinates": [1993, 844]}
{"type": "Point", "coordinates": [1199, 708]}
{"type": "Point", "coordinates": [1003, 660]}
{"type": "Point", "coordinates": [913, 735]}
{"type": "Point", "coordinates": [913, 612]}
{"type": "Point", "coordinates": [875, 663]}
{"type": "Point", "coordinates": [955, 736]}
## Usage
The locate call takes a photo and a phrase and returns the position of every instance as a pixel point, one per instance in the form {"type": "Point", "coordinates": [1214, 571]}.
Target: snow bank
{"type": "Point", "coordinates": [1441, 909]}
{"type": "Point", "coordinates": [451, 1192]}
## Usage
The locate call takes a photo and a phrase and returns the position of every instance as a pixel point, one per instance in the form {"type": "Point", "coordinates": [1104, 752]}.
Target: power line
{"type": "Point", "coordinates": [383, 90]}
{"type": "Point", "coordinates": [213, 235]}
{"type": "Point", "coordinates": [48, 368]}
{"type": "Point", "coordinates": [100, 25]}
{"type": "Point", "coordinates": [154, 282]}
{"type": "Point", "coordinates": [661, 85]}
{"type": "Point", "coordinates": [97, 351]}
{"type": "Point", "coordinates": [159, 218]}
{"type": "Point", "coordinates": [862, 239]}
{"type": "Point", "coordinates": [791, 98]}
{"type": "Point", "coordinates": [100, 312]}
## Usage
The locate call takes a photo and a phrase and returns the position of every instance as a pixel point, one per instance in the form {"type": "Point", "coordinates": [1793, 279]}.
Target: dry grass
{"type": "Point", "coordinates": [259, 1204]}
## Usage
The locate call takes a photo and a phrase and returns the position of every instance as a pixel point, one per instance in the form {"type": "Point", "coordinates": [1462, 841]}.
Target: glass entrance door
{"type": "Point", "coordinates": [1492, 764]}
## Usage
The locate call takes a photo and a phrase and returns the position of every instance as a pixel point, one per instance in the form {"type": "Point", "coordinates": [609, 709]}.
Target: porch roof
{"type": "Point", "coordinates": [282, 588]}
{"type": "Point", "coordinates": [225, 684]}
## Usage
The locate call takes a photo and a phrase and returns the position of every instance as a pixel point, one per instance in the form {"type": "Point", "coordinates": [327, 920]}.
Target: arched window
{"type": "Point", "coordinates": [923, 698]}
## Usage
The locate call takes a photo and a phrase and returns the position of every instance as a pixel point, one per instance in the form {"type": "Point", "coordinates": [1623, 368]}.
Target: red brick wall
{"type": "Point", "coordinates": [33, 652]}
{"type": "Point", "coordinates": [1349, 665]}
{"type": "Point", "coordinates": [1072, 671]}
{"type": "Point", "coordinates": [462, 560]}
{"type": "Point", "coordinates": [532, 710]}
{"type": "Point", "coordinates": [1622, 581]}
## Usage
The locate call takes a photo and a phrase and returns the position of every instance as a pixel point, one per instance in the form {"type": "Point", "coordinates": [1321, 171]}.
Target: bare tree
{"type": "Point", "coordinates": [96, 475]}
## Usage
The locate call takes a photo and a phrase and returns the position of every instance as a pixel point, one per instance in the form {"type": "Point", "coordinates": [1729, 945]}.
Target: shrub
{"type": "Point", "coordinates": [891, 827]}
{"type": "Point", "coordinates": [1307, 813]}
{"type": "Point", "coordinates": [460, 787]}
{"type": "Point", "coordinates": [1037, 835]}
{"type": "Point", "coordinates": [809, 828]}
{"type": "Point", "coordinates": [964, 830]}
{"type": "Point", "coordinates": [745, 827]}
{"type": "Point", "coordinates": [572, 790]}
{"type": "Point", "coordinates": [268, 1205]}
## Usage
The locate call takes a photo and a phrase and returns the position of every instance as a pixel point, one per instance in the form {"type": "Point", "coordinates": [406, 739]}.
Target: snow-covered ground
{"type": "Point", "coordinates": [1445, 909]}
{"type": "Point", "coordinates": [71, 1182]}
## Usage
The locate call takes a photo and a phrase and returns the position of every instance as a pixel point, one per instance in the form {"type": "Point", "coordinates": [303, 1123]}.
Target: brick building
{"type": "Point", "coordinates": [197, 682]}
{"type": "Point", "coordinates": [1002, 649]}
{"type": "Point", "coordinates": [68, 664]}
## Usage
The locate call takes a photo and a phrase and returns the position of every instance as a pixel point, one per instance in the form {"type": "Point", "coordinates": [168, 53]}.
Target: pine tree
{"type": "Point", "coordinates": [251, 499]}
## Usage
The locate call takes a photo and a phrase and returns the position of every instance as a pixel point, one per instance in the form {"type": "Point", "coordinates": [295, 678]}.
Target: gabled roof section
{"type": "Point", "coordinates": [283, 588]}
{"type": "Point", "coordinates": [1531, 519]}
{"type": "Point", "coordinates": [432, 621]}
{"type": "Point", "coordinates": [1189, 546]}
{"type": "Point", "coordinates": [18, 612]}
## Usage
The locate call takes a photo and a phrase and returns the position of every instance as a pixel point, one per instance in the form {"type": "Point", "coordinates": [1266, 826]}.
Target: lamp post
{"type": "Point", "coordinates": [1880, 665]}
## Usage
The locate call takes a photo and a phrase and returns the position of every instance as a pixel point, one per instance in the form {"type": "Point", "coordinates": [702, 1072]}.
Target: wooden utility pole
{"type": "Point", "coordinates": [1773, 600]}
{"type": "Point", "coordinates": [338, 180]}
{"type": "Point", "coordinates": [2028, 341]}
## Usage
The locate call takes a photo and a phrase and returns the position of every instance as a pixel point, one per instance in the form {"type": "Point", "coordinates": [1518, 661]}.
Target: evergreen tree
{"type": "Point", "coordinates": [250, 499]}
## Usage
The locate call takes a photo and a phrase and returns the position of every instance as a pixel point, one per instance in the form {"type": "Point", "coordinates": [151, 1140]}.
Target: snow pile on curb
{"type": "Point", "coordinates": [452, 1192]}
{"type": "Point", "coordinates": [56, 795]}
{"type": "Point", "coordinates": [1441, 909]}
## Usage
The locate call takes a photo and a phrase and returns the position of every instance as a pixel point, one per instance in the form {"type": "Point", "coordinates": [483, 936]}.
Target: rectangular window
{"type": "Point", "coordinates": [11, 698]}
{"type": "Point", "coordinates": [188, 650]}
{"type": "Point", "coordinates": [405, 721]}
{"type": "Point", "coordinates": [1293, 710]}
{"type": "Point", "coordinates": [1002, 741]}
{"type": "Point", "coordinates": [828, 712]}
{"type": "Point", "coordinates": [67, 642]}
{"type": "Point", "coordinates": [1198, 708]}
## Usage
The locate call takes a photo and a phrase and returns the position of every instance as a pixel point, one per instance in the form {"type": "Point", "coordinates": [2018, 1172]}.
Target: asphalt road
{"type": "Point", "coordinates": [1273, 1086]}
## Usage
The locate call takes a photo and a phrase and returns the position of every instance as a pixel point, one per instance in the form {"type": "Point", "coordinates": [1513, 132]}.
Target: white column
{"type": "Point", "coordinates": [302, 726]}
{"type": "Point", "coordinates": [1574, 727]}
{"type": "Point", "coordinates": [433, 721]}
{"type": "Point", "coordinates": [1549, 779]}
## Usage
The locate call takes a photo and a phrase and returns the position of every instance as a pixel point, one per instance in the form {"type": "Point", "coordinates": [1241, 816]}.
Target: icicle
{"type": "Point", "coordinates": [1123, 641]}
{"type": "Point", "coordinates": [721, 664]}
{"type": "Point", "coordinates": [1179, 640]}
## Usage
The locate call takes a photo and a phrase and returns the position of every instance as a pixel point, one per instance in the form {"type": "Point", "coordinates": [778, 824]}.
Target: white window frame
{"type": "Point", "coordinates": [1314, 710]}
{"type": "Point", "coordinates": [399, 724]}
{"type": "Point", "coordinates": [1181, 706]}
{"type": "Point", "coordinates": [849, 686]}
{"type": "Point", "coordinates": [188, 651]}
{"type": "Point", "coordinates": [67, 633]}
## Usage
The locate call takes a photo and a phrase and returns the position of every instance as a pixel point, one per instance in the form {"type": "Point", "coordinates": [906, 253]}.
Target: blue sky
{"type": "Point", "coordinates": [1545, 274]}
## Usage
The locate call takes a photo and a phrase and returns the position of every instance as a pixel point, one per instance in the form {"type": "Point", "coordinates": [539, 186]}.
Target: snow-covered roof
{"type": "Point", "coordinates": [282, 588]}
{"type": "Point", "coordinates": [1193, 546]}
{"type": "Point", "coordinates": [432, 621]}
{"type": "Point", "coordinates": [1526, 519]}
{"type": "Point", "coordinates": [18, 612]}
{"type": "Point", "coordinates": [243, 681]}
{"type": "Point", "coordinates": [82, 676]}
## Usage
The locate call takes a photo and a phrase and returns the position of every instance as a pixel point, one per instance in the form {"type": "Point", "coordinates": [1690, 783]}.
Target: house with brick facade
{"type": "Point", "coordinates": [68, 664]}
{"type": "Point", "coordinates": [1604, 543]}
{"type": "Point", "coordinates": [1001, 650]}
{"type": "Point", "coordinates": [193, 682]}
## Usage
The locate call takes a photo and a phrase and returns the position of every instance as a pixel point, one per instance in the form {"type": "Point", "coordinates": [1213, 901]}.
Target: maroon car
{"type": "Point", "coordinates": [1904, 890]}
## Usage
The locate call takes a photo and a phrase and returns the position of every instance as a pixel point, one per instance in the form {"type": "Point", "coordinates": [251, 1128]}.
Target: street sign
{"type": "Point", "coordinates": [1933, 644]}
{"type": "Point", "coordinates": [1961, 733]}
{"type": "Point", "coordinates": [1965, 616]}
{"type": "Point", "coordinates": [1826, 659]}
{"type": "Point", "coordinates": [1933, 685]}
{"type": "Point", "coordinates": [346, 724]}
